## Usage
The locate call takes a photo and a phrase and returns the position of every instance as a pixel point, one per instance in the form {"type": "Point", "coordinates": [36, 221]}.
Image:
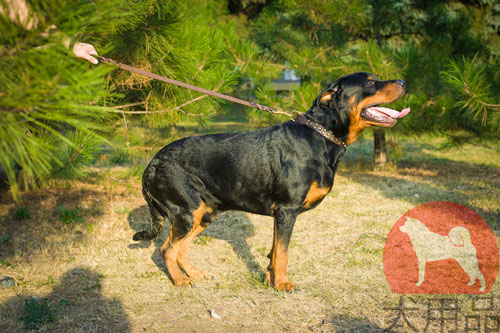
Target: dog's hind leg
{"type": "Point", "coordinates": [182, 260]}
{"type": "Point", "coordinates": [184, 228]}
{"type": "Point", "coordinates": [202, 216]}
{"type": "Point", "coordinates": [179, 229]}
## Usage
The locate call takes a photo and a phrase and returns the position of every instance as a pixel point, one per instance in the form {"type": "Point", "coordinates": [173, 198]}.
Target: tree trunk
{"type": "Point", "coordinates": [379, 147]}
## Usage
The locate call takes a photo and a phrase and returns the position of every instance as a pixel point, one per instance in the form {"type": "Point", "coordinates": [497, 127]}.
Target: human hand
{"type": "Point", "coordinates": [85, 51]}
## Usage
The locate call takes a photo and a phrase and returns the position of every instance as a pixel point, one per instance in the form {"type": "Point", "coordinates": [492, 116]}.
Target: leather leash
{"type": "Point", "coordinates": [300, 118]}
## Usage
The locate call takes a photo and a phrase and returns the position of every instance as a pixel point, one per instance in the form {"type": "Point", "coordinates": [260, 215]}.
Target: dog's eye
{"type": "Point", "coordinates": [370, 83]}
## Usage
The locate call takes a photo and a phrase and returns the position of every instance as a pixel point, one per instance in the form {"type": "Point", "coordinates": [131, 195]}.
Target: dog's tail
{"type": "Point", "coordinates": [460, 236]}
{"type": "Point", "coordinates": [157, 209]}
{"type": "Point", "coordinates": [156, 222]}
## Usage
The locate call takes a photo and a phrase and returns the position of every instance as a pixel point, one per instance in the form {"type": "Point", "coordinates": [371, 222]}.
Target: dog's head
{"type": "Point", "coordinates": [350, 104]}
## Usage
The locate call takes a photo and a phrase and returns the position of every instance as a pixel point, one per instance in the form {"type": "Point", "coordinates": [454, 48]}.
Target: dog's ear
{"type": "Point", "coordinates": [329, 93]}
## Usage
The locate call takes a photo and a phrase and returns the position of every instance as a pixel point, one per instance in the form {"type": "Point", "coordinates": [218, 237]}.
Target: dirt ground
{"type": "Point", "coordinates": [90, 273]}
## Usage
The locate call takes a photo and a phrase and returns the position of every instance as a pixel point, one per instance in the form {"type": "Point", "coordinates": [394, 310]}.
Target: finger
{"type": "Point", "coordinates": [90, 58]}
{"type": "Point", "coordinates": [91, 50]}
{"type": "Point", "coordinates": [85, 51]}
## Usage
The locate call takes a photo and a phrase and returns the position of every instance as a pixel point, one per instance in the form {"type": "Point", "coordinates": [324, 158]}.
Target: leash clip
{"type": "Point", "coordinates": [107, 60]}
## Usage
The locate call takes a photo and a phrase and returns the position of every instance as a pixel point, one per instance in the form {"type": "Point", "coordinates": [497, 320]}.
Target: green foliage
{"type": "Point", "coordinates": [4, 263]}
{"type": "Point", "coordinates": [47, 94]}
{"type": "Point", "coordinates": [37, 312]}
{"type": "Point", "coordinates": [73, 159]}
{"type": "Point", "coordinates": [177, 39]}
{"type": "Point", "coordinates": [472, 86]}
{"type": "Point", "coordinates": [69, 216]}
{"type": "Point", "coordinates": [57, 109]}
{"type": "Point", "coordinates": [446, 50]}
{"type": "Point", "coordinates": [22, 213]}
{"type": "Point", "coordinates": [59, 112]}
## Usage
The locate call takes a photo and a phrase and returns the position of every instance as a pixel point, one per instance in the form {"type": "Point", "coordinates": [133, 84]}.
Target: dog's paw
{"type": "Point", "coordinates": [142, 236]}
{"type": "Point", "coordinates": [199, 275]}
{"type": "Point", "coordinates": [184, 282]}
{"type": "Point", "coordinates": [419, 283]}
{"type": "Point", "coordinates": [285, 286]}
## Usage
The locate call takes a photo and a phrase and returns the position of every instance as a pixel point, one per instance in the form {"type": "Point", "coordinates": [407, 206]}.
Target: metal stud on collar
{"type": "Point", "coordinates": [302, 119]}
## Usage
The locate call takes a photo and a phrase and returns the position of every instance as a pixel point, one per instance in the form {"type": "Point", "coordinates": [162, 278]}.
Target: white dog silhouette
{"type": "Point", "coordinates": [430, 246]}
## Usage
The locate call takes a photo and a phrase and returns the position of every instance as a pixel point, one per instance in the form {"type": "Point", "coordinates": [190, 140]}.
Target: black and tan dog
{"type": "Point", "coordinates": [278, 171]}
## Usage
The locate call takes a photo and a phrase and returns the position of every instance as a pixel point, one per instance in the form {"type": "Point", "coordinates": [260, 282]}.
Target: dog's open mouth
{"type": "Point", "coordinates": [384, 117]}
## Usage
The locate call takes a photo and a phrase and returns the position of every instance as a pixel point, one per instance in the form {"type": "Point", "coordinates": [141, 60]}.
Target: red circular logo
{"type": "Point", "coordinates": [441, 247]}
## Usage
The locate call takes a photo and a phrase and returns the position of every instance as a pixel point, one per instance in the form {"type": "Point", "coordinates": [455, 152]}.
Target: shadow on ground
{"type": "Point", "coordinates": [75, 304]}
{"type": "Point", "coordinates": [233, 227]}
{"type": "Point", "coordinates": [47, 220]}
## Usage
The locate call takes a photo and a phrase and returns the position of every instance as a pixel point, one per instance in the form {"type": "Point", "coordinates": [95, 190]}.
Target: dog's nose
{"type": "Point", "coordinates": [402, 83]}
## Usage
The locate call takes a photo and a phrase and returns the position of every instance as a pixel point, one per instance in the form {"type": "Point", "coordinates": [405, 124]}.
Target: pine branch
{"type": "Point", "coordinates": [164, 111]}
{"type": "Point", "coordinates": [200, 67]}
{"type": "Point", "coordinates": [370, 63]}
{"type": "Point", "coordinates": [472, 95]}
{"type": "Point", "coordinates": [239, 61]}
{"type": "Point", "coordinates": [128, 105]}
{"type": "Point", "coordinates": [75, 154]}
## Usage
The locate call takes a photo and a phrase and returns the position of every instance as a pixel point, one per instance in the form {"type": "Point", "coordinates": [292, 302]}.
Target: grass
{"type": "Point", "coordinates": [4, 262]}
{"type": "Point", "coordinates": [22, 213]}
{"type": "Point", "coordinates": [37, 313]}
{"type": "Point", "coordinates": [69, 216]}
{"type": "Point", "coordinates": [90, 271]}
{"type": "Point", "coordinates": [203, 240]}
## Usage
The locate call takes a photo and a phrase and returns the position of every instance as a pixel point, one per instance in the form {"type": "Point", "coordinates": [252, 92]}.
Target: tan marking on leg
{"type": "Point", "coordinates": [182, 260]}
{"type": "Point", "coordinates": [174, 252]}
{"type": "Point", "coordinates": [269, 270]}
{"type": "Point", "coordinates": [280, 259]}
{"type": "Point", "coordinates": [170, 258]}
{"type": "Point", "coordinates": [276, 271]}
{"type": "Point", "coordinates": [198, 227]}
{"type": "Point", "coordinates": [314, 194]}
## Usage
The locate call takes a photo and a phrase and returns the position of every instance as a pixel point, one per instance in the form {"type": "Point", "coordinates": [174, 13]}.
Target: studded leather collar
{"type": "Point", "coordinates": [301, 118]}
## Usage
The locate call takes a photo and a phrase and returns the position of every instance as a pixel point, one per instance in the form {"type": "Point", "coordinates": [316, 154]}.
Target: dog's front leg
{"type": "Point", "coordinates": [421, 270]}
{"type": "Point", "coordinates": [284, 220]}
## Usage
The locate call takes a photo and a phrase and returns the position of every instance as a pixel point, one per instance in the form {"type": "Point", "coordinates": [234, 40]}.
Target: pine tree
{"type": "Point", "coordinates": [176, 39]}
{"type": "Point", "coordinates": [56, 109]}
{"type": "Point", "coordinates": [47, 96]}
{"type": "Point", "coordinates": [447, 51]}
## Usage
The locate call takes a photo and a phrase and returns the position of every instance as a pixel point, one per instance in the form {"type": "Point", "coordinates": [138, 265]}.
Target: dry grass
{"type": "Point", "coordinates": [97, 279]}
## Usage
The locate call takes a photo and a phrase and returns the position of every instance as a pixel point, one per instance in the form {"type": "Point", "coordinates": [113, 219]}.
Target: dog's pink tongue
{"type": "Point", "coordinates": [390, 112]}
